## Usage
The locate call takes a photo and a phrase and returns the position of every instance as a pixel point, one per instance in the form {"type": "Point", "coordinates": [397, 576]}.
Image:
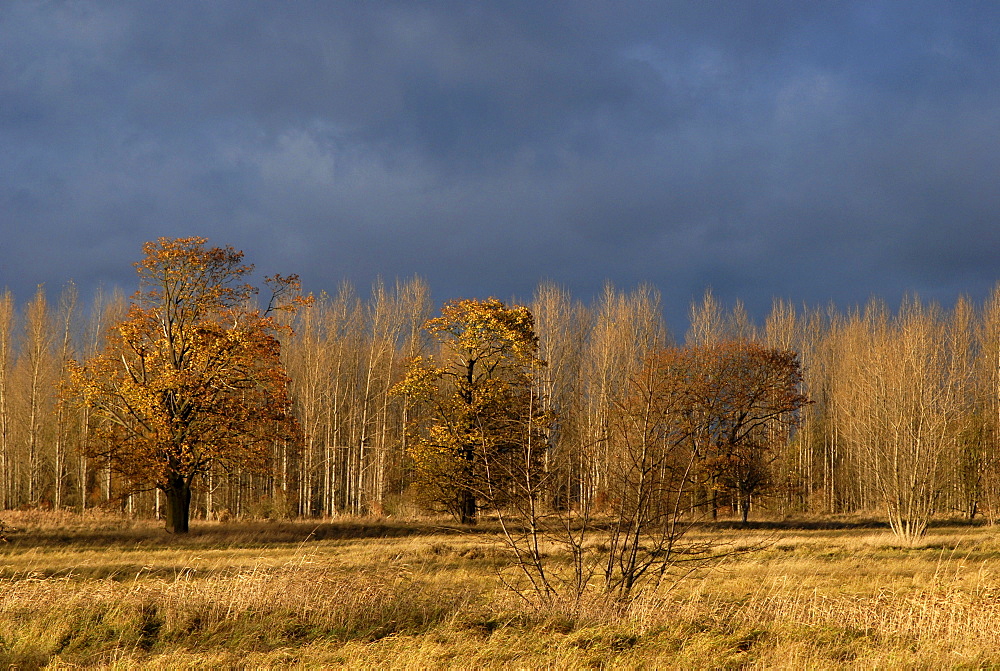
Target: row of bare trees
{"type": "Point", "coordinates": [41, 463]}
{"type": "Point", "coordinates": [906, 414]}
{"type": "Point", "coordinates": [904, 418]}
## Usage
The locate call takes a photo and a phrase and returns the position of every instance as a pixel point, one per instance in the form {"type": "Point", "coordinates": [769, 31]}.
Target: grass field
{"type": "Point", "coordinates": [103, 591]}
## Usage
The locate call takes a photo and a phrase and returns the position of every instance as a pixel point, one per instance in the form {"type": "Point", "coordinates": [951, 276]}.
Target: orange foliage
{"type": "Point", "coordinates": [191, 379]}
{"type": "Point", "coordinates": [739, 399]}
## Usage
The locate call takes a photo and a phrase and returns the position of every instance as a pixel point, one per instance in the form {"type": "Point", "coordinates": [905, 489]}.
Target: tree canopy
{"type": "Point", "coordinates": [744, 399]}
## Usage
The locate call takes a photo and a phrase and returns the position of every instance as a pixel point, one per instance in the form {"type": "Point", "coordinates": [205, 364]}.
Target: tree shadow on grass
{"type": "Point", "coordinates": [240, 533]}
{"type": "Point", "coordinates": [834, 524]}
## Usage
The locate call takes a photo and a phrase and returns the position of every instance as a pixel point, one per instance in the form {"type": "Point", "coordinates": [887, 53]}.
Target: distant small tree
{"type": "Point", "coordinates": [190, 379]}
{"type": "Point", "coordinates": [473, 408]}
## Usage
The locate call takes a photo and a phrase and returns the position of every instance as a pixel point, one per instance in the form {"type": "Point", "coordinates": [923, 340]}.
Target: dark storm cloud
{"type": "Point", "coordinates": [812, 151]}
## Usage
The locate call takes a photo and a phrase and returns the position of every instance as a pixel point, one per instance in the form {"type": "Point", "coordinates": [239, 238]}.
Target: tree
{"type": "Point", "coordinates": [562, 325]}
{"type": "Point", "coordinates": [477, 404]}
{"type": "Point", "coordinates": [902, 413]}
{"type": "Point", "coordinates": [973, 457]}
{"type": "Point", "coordinates": [652, 472]}
{"type": "Point", "coordinates": [625, 329]}
{"type": "Point", "coordinates": [35, 375]}
{"type": "Point", "coordinates": [6, 348]}
{"type": "Point", "coordinates": [190, 379]}
{"type": "Point", "coordinates": [650, 467]}
{"type": "Point", "coordinates": [988, 394]}
{"type": "Point", "coordinates": [746, 396]}
{"type": "Point", "coordinates": [105, 312]}
{"type": "Point", "coordinates": [63, 422]}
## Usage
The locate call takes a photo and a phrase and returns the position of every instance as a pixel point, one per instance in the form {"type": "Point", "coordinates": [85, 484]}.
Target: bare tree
{"type": "Point", "coordinates": [625, 329]}
{"type": "Point", "coordinates": [902, 412]}
{"type": "Point", "coordinates": [988, 403]}
{"type": "Point", "coordinates": [37, 386]}
{"type": "Point", "coordinates": [63, 429]}
{"type": "Point", "coordinates": [6, 355]}
{"type": "Point", "coordinates": [562, 325]}
{"type": "Point", "coordinates": [654, 472]}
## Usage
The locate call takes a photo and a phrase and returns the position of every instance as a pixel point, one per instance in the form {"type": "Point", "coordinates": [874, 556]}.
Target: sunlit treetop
{"type": "Point", "coordinates": [484, 328]}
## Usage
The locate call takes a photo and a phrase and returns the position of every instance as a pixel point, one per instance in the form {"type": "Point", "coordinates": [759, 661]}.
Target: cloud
{"type": "Point", "coordinates": [810, 151]}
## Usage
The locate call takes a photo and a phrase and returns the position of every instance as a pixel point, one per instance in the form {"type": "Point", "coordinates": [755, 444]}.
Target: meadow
{"type": "Point", "coordinates": [99, 590]}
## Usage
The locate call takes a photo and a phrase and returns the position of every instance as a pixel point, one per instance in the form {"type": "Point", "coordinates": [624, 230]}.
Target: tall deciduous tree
{"type": "Point", "coordinates": [35, 373]}
{"type": "Point", "coordinates": [477, 402]}
{"type": "Point", "coordinates": [191, 379]}
{"type": "Point", "coordinates": [902, 410]}
{"type": "Point", "coordinates": [625, 329]}
{"type": "Point", "coordinates": [66, 317]}
{"type": "Point", "coordinates": [6, 355]}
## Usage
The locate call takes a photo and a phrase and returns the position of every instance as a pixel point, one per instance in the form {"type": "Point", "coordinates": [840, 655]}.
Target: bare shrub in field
{"type": "Point", "coordinates": [905, 405]}
{"type": "Point", "coordinates": [689, 419]}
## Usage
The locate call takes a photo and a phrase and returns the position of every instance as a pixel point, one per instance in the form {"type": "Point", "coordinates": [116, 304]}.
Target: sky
{"type": "Point", "coordinates": [809, 151]}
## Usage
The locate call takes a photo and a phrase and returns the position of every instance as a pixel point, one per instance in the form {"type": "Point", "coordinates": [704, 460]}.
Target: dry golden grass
{"type": "Point", "coordinates": [99, 591]}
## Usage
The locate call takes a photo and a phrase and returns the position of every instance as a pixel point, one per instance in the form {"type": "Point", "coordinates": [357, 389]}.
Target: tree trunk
{"type": "Point", "coordinates": [178, 495]}
{"type": "Point", "coordinates": [467, 507]}
{"type": "Point", "coordinates": [744, 505]}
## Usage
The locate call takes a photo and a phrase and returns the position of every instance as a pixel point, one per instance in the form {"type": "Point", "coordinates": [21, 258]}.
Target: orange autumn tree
{"type": "Point", "coordinates": [190, 380]}
{"type": "Point", "coordinates": [476, 422]}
